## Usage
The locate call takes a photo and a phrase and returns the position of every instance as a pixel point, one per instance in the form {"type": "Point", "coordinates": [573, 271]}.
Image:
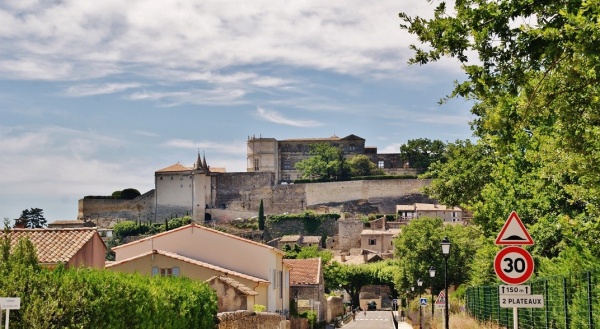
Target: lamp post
{"type": "Point", "coordinates": [420, 283]}
{"type": "Point", "coordinates": [446, 252]}
{"type": "Point", "coordinates": [432, 275]}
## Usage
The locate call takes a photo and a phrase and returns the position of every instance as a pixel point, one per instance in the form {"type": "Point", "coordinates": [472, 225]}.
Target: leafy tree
{"type": "Point", "coordinates": [325, 162]}
{"type": "Point", "coordinates": [535, 95]}
{"type": "Point", "coordinates": [261, 216]}
{"type": "Point", "coordinates": [460, 180]}
{"type": "Point", "coordinates": [361, 165]}
{"type": "Point", "coordinates": [130, 194]}
{"type": "Point", "coordinates": [422, 152]}
{"type": "Point", "coordinates": [32, 218]}
{"type": "Point", "coordinates": [418, 248]}
{"type": "Point", "coordinates": [116, 194]}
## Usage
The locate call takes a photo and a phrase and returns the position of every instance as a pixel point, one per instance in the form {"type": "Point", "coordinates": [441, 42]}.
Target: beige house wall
{"type": "Point", "coordinates": [144, 266]}
{"type": "Point", "coordinates": [383, 241]}
{"type": "Point", "coordinates": [93, 254]}
{"type": "Point", "coordinates": [225, 251]}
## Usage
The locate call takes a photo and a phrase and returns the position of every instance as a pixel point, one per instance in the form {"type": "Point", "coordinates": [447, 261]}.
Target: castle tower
{"type": "Point", "coordinates": [263, 156]}
{"type": "Point", "coordinates": [201, 189]}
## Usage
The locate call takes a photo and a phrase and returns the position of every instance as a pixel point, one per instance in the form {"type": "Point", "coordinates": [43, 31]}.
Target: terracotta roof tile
{"type": "Point", "coordinates": [237, 285]}
{"type": "Point", "coordinates": [197, 226]}
{"type": "Point", "coordinates": [304, 271]}
{"type": "Point", "coordinates": [190, 261]}
{"type": "Point", "coordinates": [175, 168]}
{"type": "Point", "coordinates": [290, 238]}
{"type": "Point", "coordinates": [66, 222]}
{"type": "Point", "coordinates": [54, 245]}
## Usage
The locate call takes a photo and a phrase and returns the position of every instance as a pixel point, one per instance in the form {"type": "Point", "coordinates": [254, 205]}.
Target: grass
{"type": "Point", "coordinates": [463, 321]}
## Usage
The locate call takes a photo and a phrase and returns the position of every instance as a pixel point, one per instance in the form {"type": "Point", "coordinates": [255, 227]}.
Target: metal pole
{"type": "Point", "coordinates": [515, 318]}
{"type": "Point", "coordinates": [6, 323]}
{"type": "Point", "coordinates": [420, 310]}
{"type": "Point", "coordinates": [446, 284]}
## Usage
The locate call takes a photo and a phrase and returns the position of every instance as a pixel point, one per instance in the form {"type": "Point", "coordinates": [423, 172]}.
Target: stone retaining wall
{"type": "Point", "coordinates": [251, 320]}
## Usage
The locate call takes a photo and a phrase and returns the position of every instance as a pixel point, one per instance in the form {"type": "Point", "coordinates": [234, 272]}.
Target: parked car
{"type": "Point", "coordinates": [371, 306]}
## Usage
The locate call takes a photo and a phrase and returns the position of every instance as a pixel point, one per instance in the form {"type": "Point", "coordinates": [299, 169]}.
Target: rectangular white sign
{"type": "Point", "coordinates": [440, 306]}
{"type": "Point", "coordinates": [514, 290]}
{"type": "Point", "coordinates": [11, 303]}
{"type": "Point", "coordinates": [522, 301]}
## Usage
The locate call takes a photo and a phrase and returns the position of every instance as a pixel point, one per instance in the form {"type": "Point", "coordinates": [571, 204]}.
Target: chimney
{"type": "Point", "coordinates": [19, 223]}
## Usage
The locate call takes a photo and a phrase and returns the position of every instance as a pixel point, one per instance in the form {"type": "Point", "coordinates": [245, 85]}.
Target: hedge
{"type": "Point", "coordinates": [89, 298]}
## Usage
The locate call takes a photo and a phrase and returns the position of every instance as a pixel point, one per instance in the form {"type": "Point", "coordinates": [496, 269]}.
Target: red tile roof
{"type": "Point", "coordinates": [175, 168]}
{"type": "Point", "coordinates": [235, 284]}
{"type": "Point", "coordinates": [190, 261]}
{"type": "Point", "coordinates": [304, 271]}
{"type": "Point", "coordinates": [194, 225]}
{"type": "Point", "coordinates": [54, 245]}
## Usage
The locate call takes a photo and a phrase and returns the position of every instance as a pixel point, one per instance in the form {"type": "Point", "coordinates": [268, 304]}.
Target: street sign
{"type": "Point", "coordinates": [513, 232]}
{"type": "Point", "coordinates": [513, 265]}
{"type": "Point", "coordinates": [394, 301]}
{"type": "Point", "coordinates": [440, 302]}
{"type": "Point", "coordinates": [423, 301]}
{"type": "Point", "coordinates": [522, 301]}
{"type": "Point", "coordinates": [514, 290]}
{"type": "Point", "coordinates": [11, 303]}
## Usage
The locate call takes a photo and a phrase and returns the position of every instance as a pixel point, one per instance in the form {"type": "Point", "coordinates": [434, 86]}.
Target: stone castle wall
{"type": "Point", "coordinates": [239, 194]}
{"type": "Point", "coordinates": [349, 234]}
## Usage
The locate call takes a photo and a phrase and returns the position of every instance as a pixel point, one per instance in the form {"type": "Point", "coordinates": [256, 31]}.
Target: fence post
{"type": "Point", "coordinates": [589, 298]}
{"type": "Point", "coordinates": [565, 302]}
{"type": "Point", "coordinates": [547, 312]}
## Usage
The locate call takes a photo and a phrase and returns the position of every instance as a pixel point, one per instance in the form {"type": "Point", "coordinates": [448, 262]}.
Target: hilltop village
{"type": "Point", "coordinates": [248, 271]}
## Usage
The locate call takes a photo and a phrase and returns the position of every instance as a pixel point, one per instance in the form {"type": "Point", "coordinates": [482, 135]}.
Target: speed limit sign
{"type": "Point", "coordinates": [513, 265]}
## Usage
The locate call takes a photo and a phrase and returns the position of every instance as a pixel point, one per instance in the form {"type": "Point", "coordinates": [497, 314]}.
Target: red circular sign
{"type": "Point", "coordinates": [513, 265]}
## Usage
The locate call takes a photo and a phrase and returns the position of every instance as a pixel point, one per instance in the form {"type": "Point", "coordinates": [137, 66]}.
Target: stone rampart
{"type": "Point", "coordinates": [251, 320]}
{"type": "Point", "coordinates": [106, 212]}
{"type": "Point", "coordinates": [292, 227]}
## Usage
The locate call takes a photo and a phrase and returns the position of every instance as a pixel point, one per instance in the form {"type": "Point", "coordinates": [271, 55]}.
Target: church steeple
{"type": "Point", "coordinates": [198, 164]}
{"type": "Point", "coordinates": [204, 166]}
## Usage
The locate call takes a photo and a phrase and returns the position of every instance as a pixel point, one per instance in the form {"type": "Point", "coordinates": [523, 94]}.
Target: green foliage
{"type": "Point", "coordinates": [128, 228]}
{"type": "Point", "coordinates": [422, 152]}
{"type": "Point", "coordinates": [418, 248]}
{"type": "Point", "coordinates": [361, 165]}
{"type": "Point", "coordinates": [312, 221]}
{"type": "Point", "coordinates": [259, 308]}
{"type": "Point", "coordinates": [311, 316]}
{"type": "Point", "coordinates": [325, 162]}
{"type": "Point", "coordinates": [32, 218]}
{"type": "Point", "coordinates": [130, 194]}
{"type": "Point", "coordinates": [116, 195]}
{"type": "Point", "coordinates": [88, 298]}
{"type": "Point", "coordinates": [261, 216]}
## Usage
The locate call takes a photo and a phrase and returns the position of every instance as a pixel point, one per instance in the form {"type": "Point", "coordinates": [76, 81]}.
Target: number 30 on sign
{"type": "Point", "coordinates": [513, 265]}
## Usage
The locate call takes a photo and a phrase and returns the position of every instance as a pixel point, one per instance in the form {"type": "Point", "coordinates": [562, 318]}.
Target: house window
{"type": "Point", "coordinates": [280, 284]}
{"type": "Point", "coordinates": [372, 241]}
{"type": "Point", "coordinates": [255, 164]}
{"type": "Point", "coordinates": [352, 147]}
{"type": "Point", "coordinates": [161, 178]}
{"type": "Point", "coordinates": [169, 271]}
{"type": "Point", "coordinates": [287, 164]}
{"type": "Point", "coordinates": [380, 164]}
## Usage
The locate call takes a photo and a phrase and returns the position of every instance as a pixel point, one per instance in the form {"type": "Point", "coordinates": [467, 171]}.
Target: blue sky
{"type": "Point", "coordinates": [95, 96]}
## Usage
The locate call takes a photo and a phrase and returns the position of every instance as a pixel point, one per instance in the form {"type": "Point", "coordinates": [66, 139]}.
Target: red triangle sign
{"type": "Point", "coordinates": [441, 299]}
{"type": "Point", "coordinates": [513, 232]}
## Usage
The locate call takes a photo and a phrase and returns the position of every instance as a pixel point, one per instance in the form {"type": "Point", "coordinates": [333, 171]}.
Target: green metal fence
{"type": "Point", "coordinates": [569, 303]}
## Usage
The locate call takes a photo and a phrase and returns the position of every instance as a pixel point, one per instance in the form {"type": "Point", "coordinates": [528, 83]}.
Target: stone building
{"type": "Point", "coordinates": [281, 156]}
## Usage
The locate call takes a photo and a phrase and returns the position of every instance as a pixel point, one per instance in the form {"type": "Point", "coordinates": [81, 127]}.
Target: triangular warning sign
{"type": "Point", "coordinates": [514, 232]}
{"type": "Point", "coordinates": [441, 299]}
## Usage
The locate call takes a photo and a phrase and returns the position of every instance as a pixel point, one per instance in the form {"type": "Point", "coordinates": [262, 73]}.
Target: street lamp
{"type": "Point", "coordinates": [432, 275]}
{"type": "Point", "coordinates": [420, 283]}
{"type": "Point", "coordinates": [446, 252]}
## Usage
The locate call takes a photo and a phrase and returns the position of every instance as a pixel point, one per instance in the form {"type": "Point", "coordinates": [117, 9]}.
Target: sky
{"type": "Point", "coordinates": [95, 96]}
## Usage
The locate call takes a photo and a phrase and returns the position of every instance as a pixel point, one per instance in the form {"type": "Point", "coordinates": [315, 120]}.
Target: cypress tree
{"type": "Point", "coordinates": [261, 216]}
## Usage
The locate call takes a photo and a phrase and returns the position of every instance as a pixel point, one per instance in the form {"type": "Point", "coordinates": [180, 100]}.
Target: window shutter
{"type": "Point", "coordinates": [175, 271]}
{"type": "Point", "coordinates": [154, 271]}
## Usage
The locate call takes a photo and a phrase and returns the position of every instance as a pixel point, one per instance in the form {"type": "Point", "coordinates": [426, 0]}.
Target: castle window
{"type": "Point", "coordinates": [372, 241]}
{"type": "Point", "coordinates": [161, 178]}
{"type": "Point", "coordinates": [256, 162]}
{"type": "Point", "coordinates": [287, 164]}
{"type": "Point", "coordinates": [171, 177]}
{"type": "Point", "coordinates": [352, 148]}
{"type": "Point", "coordinates": [380, 164]}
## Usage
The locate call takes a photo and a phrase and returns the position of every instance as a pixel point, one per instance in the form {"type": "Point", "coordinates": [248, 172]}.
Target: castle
{"type": "Point", "coordinates": [207, 193]}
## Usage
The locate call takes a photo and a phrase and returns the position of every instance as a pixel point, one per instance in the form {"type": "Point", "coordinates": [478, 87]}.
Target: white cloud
{"type": "Point", "coordinates": [234, 148]}
{"type": "Point", "coordinates": [354, 37]}
{"type": "Point", "coordinates": [217, 96]}
{"type": "Point", "coordinates": [99, 89]}
{"type": "Point", "coordinates": [276, 117]}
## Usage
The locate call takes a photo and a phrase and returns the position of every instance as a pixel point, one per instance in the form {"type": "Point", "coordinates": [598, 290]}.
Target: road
{"type": "Point", "coordinates": [373, 320]}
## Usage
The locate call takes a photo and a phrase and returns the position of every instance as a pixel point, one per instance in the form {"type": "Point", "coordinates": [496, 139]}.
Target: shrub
{"type": "Point", "coordinates": [130, 194]}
